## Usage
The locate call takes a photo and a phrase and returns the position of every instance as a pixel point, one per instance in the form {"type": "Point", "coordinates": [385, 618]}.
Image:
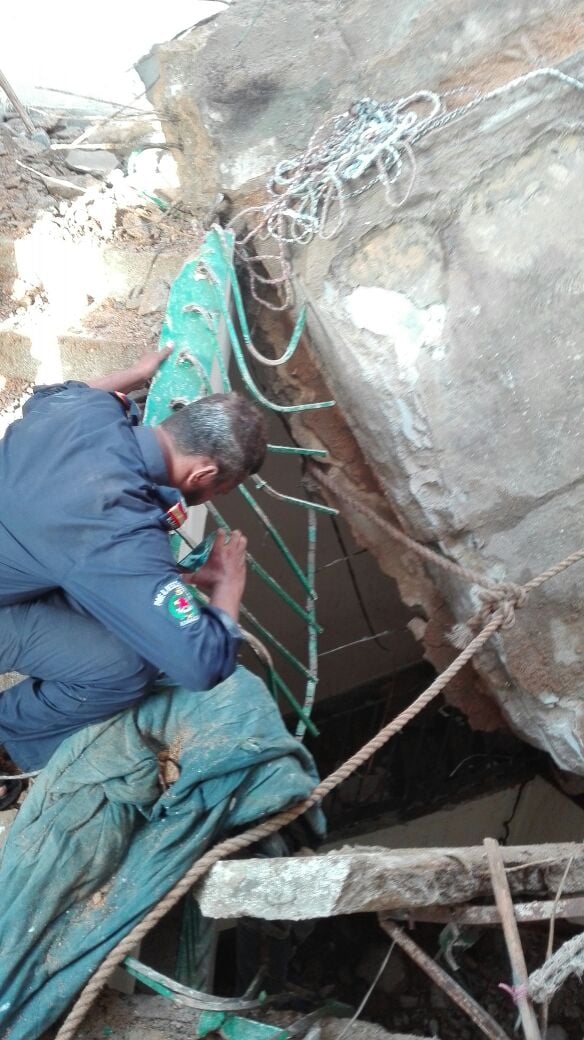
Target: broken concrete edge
{"type": "Point", "coordinates": [417, 312]}
{"type": "Point", "coordinates": [358, 880]}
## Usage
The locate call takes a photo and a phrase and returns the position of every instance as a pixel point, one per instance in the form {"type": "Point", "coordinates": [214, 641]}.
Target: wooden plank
{"type": "Point", "coordinates": [512, 939]}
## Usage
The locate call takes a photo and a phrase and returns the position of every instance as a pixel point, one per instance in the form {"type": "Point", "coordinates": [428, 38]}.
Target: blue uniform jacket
{"type": "Point", "coordinates": [82, 509]}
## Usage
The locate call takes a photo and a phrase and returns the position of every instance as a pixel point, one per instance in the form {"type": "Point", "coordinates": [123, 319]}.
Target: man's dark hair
{"type": "Point", "coordinates": [227, 428]}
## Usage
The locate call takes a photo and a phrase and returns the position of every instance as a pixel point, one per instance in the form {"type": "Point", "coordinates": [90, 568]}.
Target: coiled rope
{"type": "Point", "coordinates": [372, 143]}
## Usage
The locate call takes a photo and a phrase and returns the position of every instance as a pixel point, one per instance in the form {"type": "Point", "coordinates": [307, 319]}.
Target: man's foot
{"type": "Point", "coordinates": [10, 791]}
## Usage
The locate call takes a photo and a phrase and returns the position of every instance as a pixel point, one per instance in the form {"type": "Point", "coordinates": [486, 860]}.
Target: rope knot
{"type": "Point", "coordinates": [504, 599]}
{"type": "Point", "coordinates": [507, 598]}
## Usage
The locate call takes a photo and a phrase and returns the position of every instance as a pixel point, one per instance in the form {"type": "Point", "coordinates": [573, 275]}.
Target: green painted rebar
{"type": "Point", "coordinates": [262, 485]}
{"type": "Point", "coordinates": [217, 271]}
{"type": "Point", "coordinates": [272, 682]}
{"type": "Point", "coordinates": [163, 991]}
{"type": "Point", "coordinates": [298, 327]}
{"type": "Point", "coordinates": [264, 632]}
{"type": "Point", "coordinates": [267, 635]}
{"type": "Point", "coordinates": [308, 618]}
{"type": "Point", "coordinates": [289, 696]}
{"type": "Point", "coordinates": [253, 504]}
{"type": "Point", "coordinates": [312, 638]}
{"type": "Point", "coordinates": [277, 538]}
{"type": "Point", "coordinates": [223, 373]}
{"type": "Point", "coordinates": [286, 449]}
{"type": "Point", "coordinates": [241, 363]}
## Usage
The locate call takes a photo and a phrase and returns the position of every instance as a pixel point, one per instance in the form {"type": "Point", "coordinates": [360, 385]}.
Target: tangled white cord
{"type": "Point", "coordinates": [371, 143]}
{"type": "Point", "coordinates": [568, 960]}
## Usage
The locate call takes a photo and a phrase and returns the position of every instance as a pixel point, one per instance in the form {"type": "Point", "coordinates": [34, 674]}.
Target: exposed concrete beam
{"type": "Point", "coordinates": [354, 880]}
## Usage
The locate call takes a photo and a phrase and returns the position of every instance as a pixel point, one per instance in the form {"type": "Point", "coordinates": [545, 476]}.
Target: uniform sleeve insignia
{"type": "Point", "coordinates": [179, 602]}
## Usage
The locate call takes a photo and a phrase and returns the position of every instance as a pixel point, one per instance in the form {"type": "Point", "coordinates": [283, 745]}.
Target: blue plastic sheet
{"type": "Point", "coordinates": [97, 844]}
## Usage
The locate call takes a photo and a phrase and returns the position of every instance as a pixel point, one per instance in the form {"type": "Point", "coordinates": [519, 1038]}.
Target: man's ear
{"type": "Point", "coordinates": [202, 475]}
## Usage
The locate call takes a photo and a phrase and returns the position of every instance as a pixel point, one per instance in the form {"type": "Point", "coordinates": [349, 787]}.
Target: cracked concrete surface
{"type": "Point", "coordinates": [448, 330]}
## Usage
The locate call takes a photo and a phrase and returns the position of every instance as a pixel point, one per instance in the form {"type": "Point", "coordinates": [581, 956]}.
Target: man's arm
{"type": "Point", "coordinates": [124, 380]}
{"type": "Point", "coordinates": [131, 584]}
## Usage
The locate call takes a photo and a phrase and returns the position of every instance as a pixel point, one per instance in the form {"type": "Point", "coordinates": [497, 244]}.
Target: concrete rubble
{"type": "Point", "coordinates": [96, 162]}
{"type": "Point", "coordinates": [447, 329]}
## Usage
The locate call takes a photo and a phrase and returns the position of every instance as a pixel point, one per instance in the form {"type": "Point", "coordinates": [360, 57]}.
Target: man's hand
{"type": "Point", "coordinates": [127, 379]}
{"type": "Point", "coordinates": [223, 576]}
{"type": "Point", "coordinates": [149, 364]}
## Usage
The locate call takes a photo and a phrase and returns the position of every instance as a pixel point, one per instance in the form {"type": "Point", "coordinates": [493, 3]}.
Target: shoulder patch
{"type": "Point", "coordinates": [178, 601]}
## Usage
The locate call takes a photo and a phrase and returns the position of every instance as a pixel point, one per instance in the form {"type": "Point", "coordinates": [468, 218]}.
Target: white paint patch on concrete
{"type": "Point", "coordinates": [393, 315]}
{"type": "Point", "coordinates": [408, 423]}
{"type": "Point", "coordinates": [255, 162]}
{"type": "Point", "coordinates": [566, 641]}
{"type": "Point", "coordinates": [384, 312]}
{"type": "Point", "coordinates": [434, 330]}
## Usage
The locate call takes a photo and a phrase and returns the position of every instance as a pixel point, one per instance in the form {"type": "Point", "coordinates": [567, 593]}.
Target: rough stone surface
{"type": "Point", "coordinates": [449, 329]}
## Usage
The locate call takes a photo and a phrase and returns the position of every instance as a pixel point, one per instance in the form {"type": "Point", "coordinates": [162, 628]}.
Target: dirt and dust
{"type": "Point", "coordinates": [13, 392]}
{"type": "Point", "coordinates": [112, 319]}
{"type": "Point", "coordinates": [148, 1017]}
{"type": "Point", "coordinates": [35, 183]}
{"type": "Point", "coordinates": [24, 188]}
{"type": "Point", "coordinates": [139, 1017]}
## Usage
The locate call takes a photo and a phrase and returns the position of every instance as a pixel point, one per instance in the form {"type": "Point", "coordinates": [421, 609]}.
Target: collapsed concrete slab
{"type": "Point", "coordinates": [447, 328]}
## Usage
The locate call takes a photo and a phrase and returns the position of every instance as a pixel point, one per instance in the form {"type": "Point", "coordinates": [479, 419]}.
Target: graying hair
{"type": "Point", "coordinates": [225, 427]}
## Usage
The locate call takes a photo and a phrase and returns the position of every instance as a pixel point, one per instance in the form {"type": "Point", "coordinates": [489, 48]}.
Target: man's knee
{"type": "Point", "coordinates": [116, 689]}
{"type": "Point", "coordinates": [133, 675]}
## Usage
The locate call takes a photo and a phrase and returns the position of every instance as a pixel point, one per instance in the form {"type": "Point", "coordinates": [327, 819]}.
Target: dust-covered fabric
{"type": "Point", "coordinates": [98, 841]}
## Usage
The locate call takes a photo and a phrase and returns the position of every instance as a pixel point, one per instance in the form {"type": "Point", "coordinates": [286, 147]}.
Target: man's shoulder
{"type": "Point", "coordinates": [55, 397]}
{"type": "Point", "coordinates": [71, 386]}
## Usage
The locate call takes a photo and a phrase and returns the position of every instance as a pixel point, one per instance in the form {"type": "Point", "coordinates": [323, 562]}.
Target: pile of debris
{"type": "Point", "coordinates": [94, 230]}
{"type": "Point", "coordinates": [84, 187]}
{"type": "Point", "coordinates": [66, 157]}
